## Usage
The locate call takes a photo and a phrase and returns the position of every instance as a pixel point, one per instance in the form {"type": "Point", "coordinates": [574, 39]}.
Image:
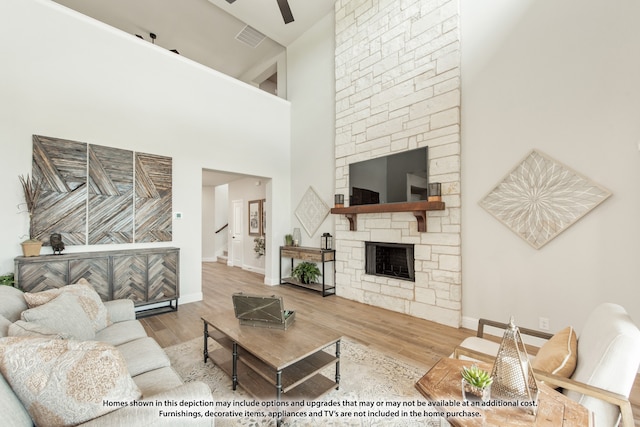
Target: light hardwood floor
{"type": "Point", "coordinates": [404, 337]}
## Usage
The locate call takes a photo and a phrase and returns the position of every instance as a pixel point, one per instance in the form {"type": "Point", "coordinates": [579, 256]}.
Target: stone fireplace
{"type": "Point", "coordinates": [397, 68]}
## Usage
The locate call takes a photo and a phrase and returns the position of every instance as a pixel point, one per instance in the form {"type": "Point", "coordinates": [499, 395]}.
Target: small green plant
{"type": "Point", "coordinates": [477, 377]}
{"type": "Point", "coordinates": [7, 279]}
{"type": "Point", "coordinates": [306, 272]}
{"type": "Point", "coordinates": [288, 239]}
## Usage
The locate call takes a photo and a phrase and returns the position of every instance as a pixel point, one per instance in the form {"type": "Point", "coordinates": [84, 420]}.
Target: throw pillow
{"type": "Point", "coordinates": [89, 299]}
{"type": "Point", "coordinates": [63, 314]}
{"type": "Point", "coordinates": [20, 328]}
{"type": "Point", "coordinates": [559, 355]}
{"type": "Point", "coordinates": [65, 382]}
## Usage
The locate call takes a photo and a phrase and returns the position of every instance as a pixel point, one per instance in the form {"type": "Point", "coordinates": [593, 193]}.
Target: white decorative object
{"type": "Point", "coordinates": [311, 211]}
{"type": "Point", "coordinates": [540, 198]}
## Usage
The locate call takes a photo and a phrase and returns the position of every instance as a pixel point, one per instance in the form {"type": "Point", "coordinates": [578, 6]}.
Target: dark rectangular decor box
{"type": "Point", "coordinates": [262, 311]}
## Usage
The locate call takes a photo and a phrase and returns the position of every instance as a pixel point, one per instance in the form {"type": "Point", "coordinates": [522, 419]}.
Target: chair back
{"type": "Point", "coordinates": [608, 357]}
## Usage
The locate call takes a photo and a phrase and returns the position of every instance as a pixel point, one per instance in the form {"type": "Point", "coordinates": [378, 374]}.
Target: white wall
{"type": "Point", "coordinates": [561, 77]}
{"type": "Point", "coordinates": [68, 76]}
{"type": "Point", "coordinates": [311, 90]}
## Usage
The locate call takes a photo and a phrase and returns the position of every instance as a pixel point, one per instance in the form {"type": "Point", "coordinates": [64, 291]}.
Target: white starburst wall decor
{"type": "Point", "coordinates": [540, 198]}
{"type": "Point", "coordinates": [311, 211]}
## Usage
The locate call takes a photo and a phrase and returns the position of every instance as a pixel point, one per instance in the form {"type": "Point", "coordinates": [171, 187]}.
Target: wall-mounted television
{"type": "Point", "coordinates": [400, 177]}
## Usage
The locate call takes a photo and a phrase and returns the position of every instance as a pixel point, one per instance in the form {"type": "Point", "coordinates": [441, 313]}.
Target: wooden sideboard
{"type": "Point", "coordinates": [150, 277]}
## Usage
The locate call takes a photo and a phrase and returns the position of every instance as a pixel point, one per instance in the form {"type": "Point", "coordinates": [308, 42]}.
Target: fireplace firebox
{"type": "Point", "coordinates": [390, 260]}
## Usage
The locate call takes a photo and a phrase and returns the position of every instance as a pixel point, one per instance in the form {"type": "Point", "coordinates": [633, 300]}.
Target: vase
{"type": "Point", "coordinates": [471, 392]}
{"type": "Point", "coordinates": [31, 248]}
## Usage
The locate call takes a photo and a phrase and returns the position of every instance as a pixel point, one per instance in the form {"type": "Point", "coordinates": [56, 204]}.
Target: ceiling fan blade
{"type": "Point", "coordinates": [285, 10]}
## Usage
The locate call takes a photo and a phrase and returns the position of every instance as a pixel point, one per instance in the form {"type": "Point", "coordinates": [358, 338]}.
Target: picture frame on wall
{"type": "Point", "coordinates": [255, 217]}
{"type": "Point", "coordinates": [263, 229]}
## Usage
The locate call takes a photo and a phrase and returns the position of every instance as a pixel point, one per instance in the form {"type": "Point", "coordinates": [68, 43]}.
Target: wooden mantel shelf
{"type": "Point", "coordinates": [418, 209]}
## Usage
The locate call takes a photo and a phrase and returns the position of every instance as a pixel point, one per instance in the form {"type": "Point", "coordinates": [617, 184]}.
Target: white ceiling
{"type": "Point", "coordinates": [205, 30]}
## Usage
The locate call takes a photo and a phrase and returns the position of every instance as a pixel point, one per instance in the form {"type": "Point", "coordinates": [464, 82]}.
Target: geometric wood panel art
{"type": "Point", "coordinates": [311, 211]}
{"type": "Point", "coordinates": [107, 193]}
{"type": "Point", "coordinates": [153, 198]}
{"type": "Point", "coordinates": [62, 166]}
{"type": "Point", "coordinates": [110, 195]}
{"type": "Point", "coordinates": [540, 198]}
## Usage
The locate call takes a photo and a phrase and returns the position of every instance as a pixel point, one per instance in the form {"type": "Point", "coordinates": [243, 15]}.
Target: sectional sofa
{"type": "Point", "coordinates": [67, 358]}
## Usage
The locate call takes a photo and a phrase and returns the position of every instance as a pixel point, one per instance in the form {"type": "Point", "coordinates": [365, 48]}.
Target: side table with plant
{"type": "Point", "coordinates": [306, 272]}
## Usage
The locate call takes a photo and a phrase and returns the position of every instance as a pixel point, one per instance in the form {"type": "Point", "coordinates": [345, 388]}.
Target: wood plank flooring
{"type": "Point", "coordinates": [417, 341]}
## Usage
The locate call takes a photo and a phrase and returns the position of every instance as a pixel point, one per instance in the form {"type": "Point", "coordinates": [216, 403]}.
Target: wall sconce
{"type": "Point", "coordinates": [434, 192]}
{"type": "Point", "coordinates": [326, 241]}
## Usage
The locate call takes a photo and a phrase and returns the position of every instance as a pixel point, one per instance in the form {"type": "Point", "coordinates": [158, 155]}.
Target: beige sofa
{"type": "Point", "coordinates": [123, 363]}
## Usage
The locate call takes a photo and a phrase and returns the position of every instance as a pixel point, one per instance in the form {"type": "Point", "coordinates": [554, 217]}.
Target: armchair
{"type": "Point", "coordinates": [607, 364]}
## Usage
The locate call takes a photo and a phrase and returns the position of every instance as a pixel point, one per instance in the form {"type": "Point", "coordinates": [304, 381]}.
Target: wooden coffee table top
{"type": "Point", "coordinates": [276, 347]}
{"type": "Point", "coordinates": [443, 381]}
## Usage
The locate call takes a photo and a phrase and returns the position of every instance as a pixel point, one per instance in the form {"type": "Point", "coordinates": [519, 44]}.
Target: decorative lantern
{"type": "Point", "coordinates": [297, 237]}
{"type": "Point", "coordinates": [512, 372]}
{"type": "Point", "coordinates": [326, 241]}
{"type": "Point", "coordinates": [434, 192]}
{"type": "Point", "coordinates": [338, 200]}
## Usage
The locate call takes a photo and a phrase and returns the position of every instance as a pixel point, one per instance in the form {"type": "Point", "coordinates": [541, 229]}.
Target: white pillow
{"type": "Point", "coordinates": [64, 315]}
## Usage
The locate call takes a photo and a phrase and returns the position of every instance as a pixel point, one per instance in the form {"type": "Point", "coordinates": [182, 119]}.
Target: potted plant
{"type": "Point", "coordinates": [7, 279]}
{"type": "Point", "coordinates": [288, 239]}
{"type": "Point", "coordinates": [476, 382]}
{"type": "Point", "coordinates": [32, 188]}
{"type": "Point", "coordinates": [306, 272]}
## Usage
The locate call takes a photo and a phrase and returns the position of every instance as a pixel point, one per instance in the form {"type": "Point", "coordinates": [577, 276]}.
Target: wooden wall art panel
{"type": "Point", "coordinates": [153, 198]}
{"type": "Point", "coordinates": [80, 178]}
{"type": "Point", "coordinates": [62, 166]}
{"type": "Point", "coordinates": [110, 195]}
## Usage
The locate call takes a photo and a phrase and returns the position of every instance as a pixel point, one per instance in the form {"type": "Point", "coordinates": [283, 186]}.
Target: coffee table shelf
{"type": "Point", "coordinates": [292, 376]}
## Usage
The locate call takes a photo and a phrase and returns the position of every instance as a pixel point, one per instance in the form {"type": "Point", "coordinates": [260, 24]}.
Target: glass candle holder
{"type": "Point", "coordinates": [435, 192]}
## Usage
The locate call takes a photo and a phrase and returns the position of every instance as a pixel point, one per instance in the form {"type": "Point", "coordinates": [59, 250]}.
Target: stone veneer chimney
{"type": "Point", "coordinates": [398, 88]}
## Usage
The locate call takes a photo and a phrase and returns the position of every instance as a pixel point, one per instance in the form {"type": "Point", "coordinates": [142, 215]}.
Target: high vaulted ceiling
{"type": "Point", "coordinates": [205, 30]}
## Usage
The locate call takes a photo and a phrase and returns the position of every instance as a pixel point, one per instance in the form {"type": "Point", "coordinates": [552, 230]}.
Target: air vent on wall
{"type": "Point", "coordinates": [250, 36]}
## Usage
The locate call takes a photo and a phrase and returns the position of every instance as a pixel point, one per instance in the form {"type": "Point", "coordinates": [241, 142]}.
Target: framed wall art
{"type": "Point", "coordinates": [255, 217]}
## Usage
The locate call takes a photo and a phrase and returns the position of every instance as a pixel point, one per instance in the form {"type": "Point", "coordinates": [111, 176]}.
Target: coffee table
{"type": "Point", "coordinates": [443, 382]}
{"type": "Point", "coordinates": [272, 364]}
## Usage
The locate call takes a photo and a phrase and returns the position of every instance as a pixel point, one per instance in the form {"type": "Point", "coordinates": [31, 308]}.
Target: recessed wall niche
{"type": "Point", "coordinates": [90, 190]}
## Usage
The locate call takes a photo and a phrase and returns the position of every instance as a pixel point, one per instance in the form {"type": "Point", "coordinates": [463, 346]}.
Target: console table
{"type": "Point", "coordinates": [310, 254]}
{"type": "Point", "coordinates": [146, 276]}
{"type": "Point", "coordinates": [274, 363]}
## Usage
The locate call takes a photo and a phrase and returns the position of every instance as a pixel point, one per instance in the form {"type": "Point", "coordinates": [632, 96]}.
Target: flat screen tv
{"type": "Point", "coordinates": [400, 177]}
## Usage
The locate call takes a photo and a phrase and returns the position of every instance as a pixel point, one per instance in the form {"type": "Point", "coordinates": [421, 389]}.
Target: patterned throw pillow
{"type": "Point", "coordinates": [65, 382]}
{"type": "Point", "coordinates": [89, 300]}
